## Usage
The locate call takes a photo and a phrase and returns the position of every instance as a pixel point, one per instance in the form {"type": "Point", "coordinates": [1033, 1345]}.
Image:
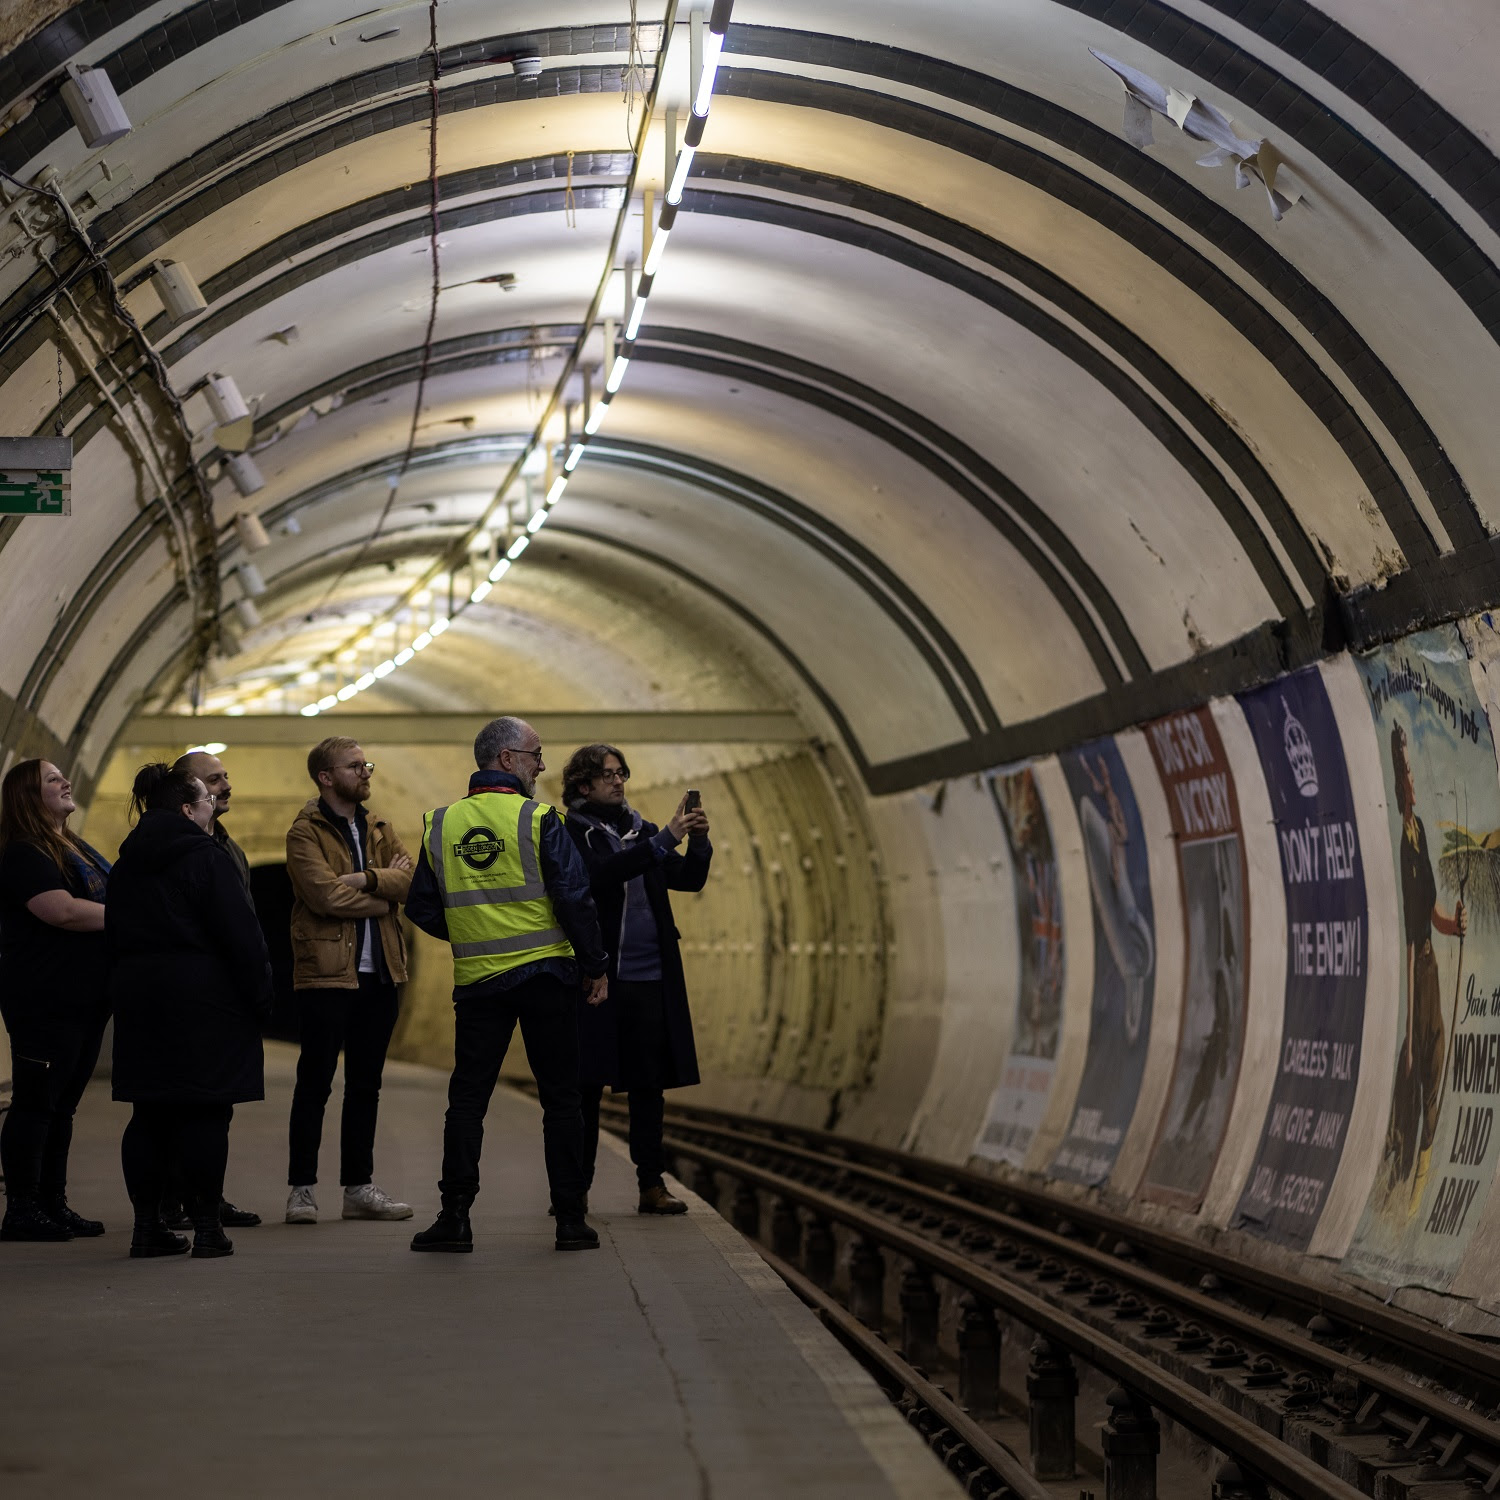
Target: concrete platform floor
{"type": "Point", "coordinates": [329, 1360]}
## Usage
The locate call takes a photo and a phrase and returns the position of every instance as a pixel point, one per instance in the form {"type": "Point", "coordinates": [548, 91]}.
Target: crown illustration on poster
{"type": "Point", "coordinates": [1299, 753]}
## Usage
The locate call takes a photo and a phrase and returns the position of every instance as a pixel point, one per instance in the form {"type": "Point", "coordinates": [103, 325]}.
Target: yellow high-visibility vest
{"type": "Point", "coordinates": [484, 852]}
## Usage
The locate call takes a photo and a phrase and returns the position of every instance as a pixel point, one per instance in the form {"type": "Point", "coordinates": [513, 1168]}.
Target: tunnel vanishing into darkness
{"type": "Point", "coordinates": [1032, 465]}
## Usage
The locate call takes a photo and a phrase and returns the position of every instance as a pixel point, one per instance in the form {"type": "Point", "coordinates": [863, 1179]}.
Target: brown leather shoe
{"type": "Point", "coordinates": [657, 1200]}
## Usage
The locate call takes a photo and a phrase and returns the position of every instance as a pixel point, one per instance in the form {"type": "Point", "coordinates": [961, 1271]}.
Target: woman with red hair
{"type": "Point", "coordinates": [52, 994]}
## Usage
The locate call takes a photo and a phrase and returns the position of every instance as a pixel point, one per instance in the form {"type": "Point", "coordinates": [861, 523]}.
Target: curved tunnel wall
{"type": "Point", "coordinates": [963, 428]}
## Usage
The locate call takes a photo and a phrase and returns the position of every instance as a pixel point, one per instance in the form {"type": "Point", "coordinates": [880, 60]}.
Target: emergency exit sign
{"type": "Point", "coordinates": [36, 476]}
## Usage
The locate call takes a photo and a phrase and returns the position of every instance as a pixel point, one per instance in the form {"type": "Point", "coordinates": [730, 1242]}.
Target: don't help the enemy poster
{"type": "Point", "coordinates": [1017, 1105]}
{"type": "Point", "coordinates": [1443, 797]}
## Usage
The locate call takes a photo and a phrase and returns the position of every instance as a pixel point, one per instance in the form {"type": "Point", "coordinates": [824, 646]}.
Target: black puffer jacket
{"type": "Point", "coordinates": [190, 979]}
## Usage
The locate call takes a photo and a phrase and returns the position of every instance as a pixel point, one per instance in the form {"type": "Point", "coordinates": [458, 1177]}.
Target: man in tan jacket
{"type": "Point", "coordinates": [349, 875]}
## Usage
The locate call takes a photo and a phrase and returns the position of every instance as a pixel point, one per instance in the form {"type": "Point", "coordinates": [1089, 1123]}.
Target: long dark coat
{"type": "Point", "coordinates": [611, 868]}
{"type": "Point", "coordinates": [189, 975]}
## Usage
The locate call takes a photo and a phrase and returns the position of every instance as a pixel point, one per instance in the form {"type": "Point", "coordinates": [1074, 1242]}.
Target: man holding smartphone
{"type": "Point", "coordinates": [640, 1041]}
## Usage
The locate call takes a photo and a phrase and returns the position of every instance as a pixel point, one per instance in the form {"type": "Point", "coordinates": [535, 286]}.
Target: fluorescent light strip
{"type": "Point", "coordinates": [654, 254]}
{"type": "Point", "coordinates": [537, 521]}
{"type": "Point", "coordinates": [439, 625]}
{"type": "Point", "coordinates": [385, 668]}
{"type": "Point", "coordinates": [367, 681]}
{"type": "Point", "coordinates": [517, 547]}
{"type": "Point", "coordinates": [481, 592]}
{"type": "Point", "coordinates": [571, 462]}
{"type": "Point", "coordinates": [617, 373]}
{"type": "Point", "coordinates": [680, 170]}
{"type": "Point", "coordinates": [500, 569]}
{"type": "Point", "coordinates": [596, 418]}
{"type": "Point", "coordinates": [713, 47]}
{"type": "Point", "coordinates": [422, 642]}
{"type": "Point", "coordinates": [311, 711]}
{"type": "Point", "coordinates": [402, 657]}
{"type": "Point", "coordinates": [346, 692]}
{"type": "Point", "coordinates": [329, 700]}
{"type": "Point", "coordinates": [637, 312]}
{"type": "Point", "coordinates": [558, 486]}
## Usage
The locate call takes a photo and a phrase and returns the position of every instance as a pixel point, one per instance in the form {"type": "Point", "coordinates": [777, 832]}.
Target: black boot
{"type": "Point", "coordinates": [151, 1238]}
{"type": "Point", "coordinates": [175, 1216]}
{"type": "Point", "coordinates": [209, 1240]}
{"type": "Point", "coordinates": [236, 1218]}
{"type": "Point", "coordinates": [25, 1219]}
{"type": "Point", "coordinates": [573, 1230]}
{"type": "Point", "coordinates": [450, 1230]}
{"type": "Point", "coordinates": [58, 1211]}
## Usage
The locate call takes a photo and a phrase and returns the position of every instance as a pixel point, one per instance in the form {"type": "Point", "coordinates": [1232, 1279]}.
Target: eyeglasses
{"type": "Point", "coordinates": [537, 752]}
{"type": "Point", "coordinates": [618, 774]}
{"type": "Point", "coordinates": [359, 765]}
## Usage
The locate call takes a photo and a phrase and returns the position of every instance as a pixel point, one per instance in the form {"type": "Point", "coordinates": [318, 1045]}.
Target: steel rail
{"type": "Point", "coordinates": [1191, 1408]}
{"type": "Point", "coordinates": [1457, 1434]}
{"type": "Point", "coordinates": [1355, 1310]}
{"type": "Point", "coordinates": [874, 1353]}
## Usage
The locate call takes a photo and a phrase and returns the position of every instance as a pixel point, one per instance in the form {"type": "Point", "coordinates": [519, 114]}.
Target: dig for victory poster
{"type": "Point", "coordinates": [1443, 796]}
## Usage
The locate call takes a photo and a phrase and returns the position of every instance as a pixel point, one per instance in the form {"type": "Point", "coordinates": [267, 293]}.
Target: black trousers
{"type": "Point", "coordinates": [641, 1032]}
{"type": "Point", "coordinates": [546, 1010]}
{"type": "Point", "coordinates": [51, 1064]}
{"type": "Point", "coordinates": [177, 1147]}
{"type": "Point", "coordinates": [359, 1023]}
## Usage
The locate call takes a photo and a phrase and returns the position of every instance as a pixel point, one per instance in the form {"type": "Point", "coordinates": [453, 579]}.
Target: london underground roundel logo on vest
{"type": "Point", "coordinates": [479, 848]}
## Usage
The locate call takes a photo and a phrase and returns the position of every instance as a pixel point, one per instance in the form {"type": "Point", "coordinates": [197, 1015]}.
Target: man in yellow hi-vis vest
{"type": "Point", "coordinates": [501, 882]}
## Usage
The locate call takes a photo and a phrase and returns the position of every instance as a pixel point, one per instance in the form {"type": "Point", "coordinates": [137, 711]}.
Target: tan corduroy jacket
{"type": "Point", "coordinates": [326, 912]}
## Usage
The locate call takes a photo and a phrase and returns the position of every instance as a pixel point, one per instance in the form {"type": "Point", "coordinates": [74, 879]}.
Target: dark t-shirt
{"type": "Point", "coordinates": [44, 970]}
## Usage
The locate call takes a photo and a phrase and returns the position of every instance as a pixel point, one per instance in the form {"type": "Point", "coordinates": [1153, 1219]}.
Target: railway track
{"type": "Point", "coordinates": [1304, 1390]}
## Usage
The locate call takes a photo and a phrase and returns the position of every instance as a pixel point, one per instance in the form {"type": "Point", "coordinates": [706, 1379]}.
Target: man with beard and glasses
{"type": "Point", "coordinates": [349, 874]}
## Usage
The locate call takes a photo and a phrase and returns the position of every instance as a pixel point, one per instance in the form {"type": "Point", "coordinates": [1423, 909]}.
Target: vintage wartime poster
{"type": "Point", "coordinates": [1114, 846]}
{"type": "Point", "coordinates": [1444, 817]}
{"type": "Point", "coordinates": [1322, 874]}
{"type": "Point", "coordinates": [1205, 814]}
{"type": "Point", "coordinates": [1017, 1105]}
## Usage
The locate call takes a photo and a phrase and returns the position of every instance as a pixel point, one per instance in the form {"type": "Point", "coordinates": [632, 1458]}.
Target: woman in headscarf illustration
{"type": "Point", "coordinates": [1418, 1094]}
{"type": "Point", "coordinates": [1126, 930]}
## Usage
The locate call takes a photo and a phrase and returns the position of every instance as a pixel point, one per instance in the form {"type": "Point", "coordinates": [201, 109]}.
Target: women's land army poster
{"type": "Point", "coordinates": [1018, 1104]}
{"type": "Point", "coordinates": [1443, 797]}
{"type": "Point", "coordinates": [1114, 847]}
{"type": "Point", "coordinates": [1205, 814]}
{"type": "Point", "coordinates": [1322, 874]}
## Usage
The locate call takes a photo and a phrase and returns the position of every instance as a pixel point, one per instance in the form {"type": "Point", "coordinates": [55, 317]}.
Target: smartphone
{"type": "Point", "coordinates": [693, 801]}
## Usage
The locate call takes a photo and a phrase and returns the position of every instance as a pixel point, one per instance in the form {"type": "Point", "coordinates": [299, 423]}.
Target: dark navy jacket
{"type": "Point", "coordinates": [567, 881]}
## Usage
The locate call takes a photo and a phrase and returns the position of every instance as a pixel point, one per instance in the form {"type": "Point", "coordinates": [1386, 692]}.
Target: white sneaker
{"type": "Point", "coordinates": [301, 1206]}
{"type": "Point", "coordinates": [368, 1202]}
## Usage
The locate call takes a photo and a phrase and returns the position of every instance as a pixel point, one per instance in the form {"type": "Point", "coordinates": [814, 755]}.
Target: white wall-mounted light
{"type": "Point", "coordinates": [245, 472]}
{"type": "Point", "coordinates": [91, 100]}
{"type": "Point", "coordinates": [249, 528]}
{"type": "Point", "coordinates": [224, 399]}
{"type": "Point", "coordinates": [180, 297]}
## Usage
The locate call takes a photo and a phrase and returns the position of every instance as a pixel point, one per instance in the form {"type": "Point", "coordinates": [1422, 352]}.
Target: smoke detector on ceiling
{"type": "Point", "coordinates": [527, 64]}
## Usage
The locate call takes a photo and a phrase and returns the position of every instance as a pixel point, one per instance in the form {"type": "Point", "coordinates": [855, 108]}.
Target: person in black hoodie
{"type": "Point", "coordinates": [640, 1040]}
{"type": "Point", "coordinates": [190, 981]}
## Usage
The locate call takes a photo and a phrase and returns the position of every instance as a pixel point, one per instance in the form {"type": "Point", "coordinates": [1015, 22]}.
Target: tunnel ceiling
{"type": "Point", "coordinates": [958, 420]}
